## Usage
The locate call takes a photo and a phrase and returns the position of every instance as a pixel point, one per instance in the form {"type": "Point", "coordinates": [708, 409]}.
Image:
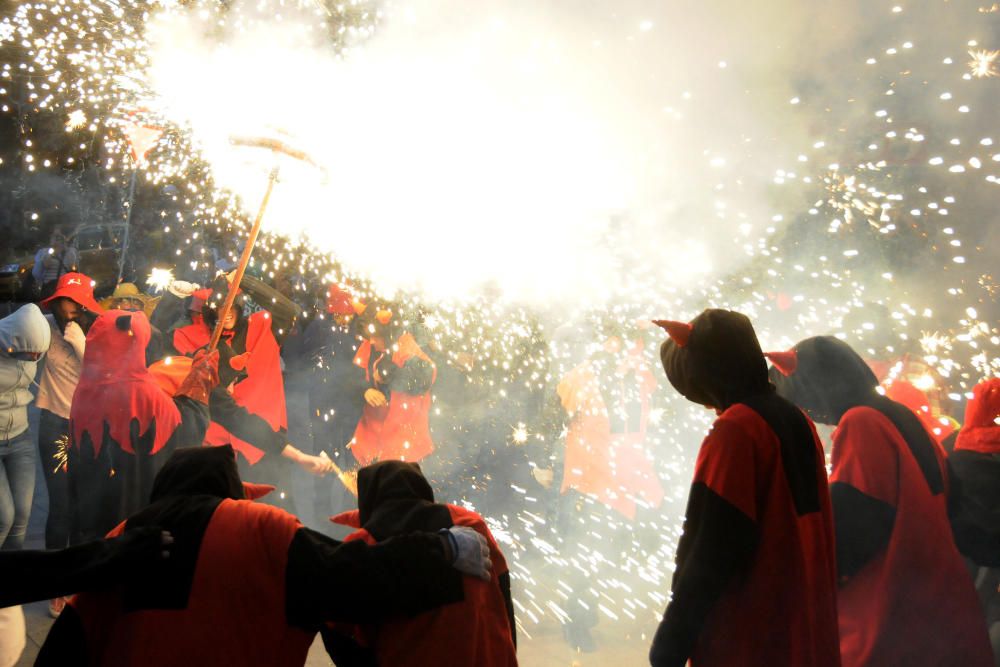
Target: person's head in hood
{"type": "Point", "coordinates": [199, 471]}
{"type": "Point", "coordinates": [24, 334]}
{"type": "Point", "coordinates": [116, 347]}
{"type": "Point", "coordinates": [385, 483]}
{"type": "Point", "coordinates": [715, 360]}
{"type": "Point", "coordinates": [823, 376]}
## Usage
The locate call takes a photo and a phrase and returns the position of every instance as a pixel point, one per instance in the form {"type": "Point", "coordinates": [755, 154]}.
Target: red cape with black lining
{"type": "Point", "coordinates": [394, 499]}
{"type": "Point", "coordinates": [975, 464]}
{"type": "Point", "coordinates": [905, 595]}
{"type": "Point", "coordinates": [262, 392]}
{"type": "Point", "coordinates": [245, 584]}
{"type": "Point", "coordinates": [758, 533]}
{"type": "Point", "coordinates": [399, 431]}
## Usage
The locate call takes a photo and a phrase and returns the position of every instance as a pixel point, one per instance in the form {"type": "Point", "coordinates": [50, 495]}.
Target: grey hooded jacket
{"type": "Point", "coordinates": [24, 331]}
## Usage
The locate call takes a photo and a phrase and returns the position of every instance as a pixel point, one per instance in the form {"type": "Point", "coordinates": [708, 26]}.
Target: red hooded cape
{"type": "Point", "coordinates": [115, 388]}
{"type": "Point", "coordinates": [262, 392]}
{"type": "Point", "coordinates": [981, 432]}
{"type": "Point", "coordinates": [401, 430]}
{"type": "Point", "coordinates": [926, 611]}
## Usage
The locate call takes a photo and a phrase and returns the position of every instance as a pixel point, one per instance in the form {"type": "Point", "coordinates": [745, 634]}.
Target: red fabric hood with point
{"type": "Point", "coordinates": [115, 386]}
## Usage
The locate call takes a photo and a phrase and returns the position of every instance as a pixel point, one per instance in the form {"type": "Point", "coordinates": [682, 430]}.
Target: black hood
{"type": "Point", "coordinates": [394, 497]}
{"type": "Point", "coordinates": [721, 363]}
{"type": "Point", "coordinates": [829, 379]}
{"type": "Point", "coordinates": [199, 471]}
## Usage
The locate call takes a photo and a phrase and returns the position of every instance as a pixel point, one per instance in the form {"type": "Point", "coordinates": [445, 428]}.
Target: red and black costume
{"type": "Point", "coordinates": [905, 597]}
{"type": "Point", "coordinates": [123, 425]}
{"type": "Point", "coordinates": [245, 584]}
{"type": "Point", "coordinates": [248, 408]}
{"type": "Point", "coordinates": [974, 500]}
{"type": "Point", "coordinates": [399, 430]}
{"type": "Point", "coordinates": [394, 498]}
{"type": "Point", "coordinates": [755, 582]}
{"type": "Point", "coordinates": [975, 487]}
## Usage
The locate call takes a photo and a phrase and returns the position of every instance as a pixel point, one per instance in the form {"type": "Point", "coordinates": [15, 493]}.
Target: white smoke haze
{"type": "Point", "coordinates": [521, 145]}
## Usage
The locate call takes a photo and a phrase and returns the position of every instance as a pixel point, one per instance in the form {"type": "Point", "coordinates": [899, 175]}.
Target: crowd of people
{"type": "Point", "coordinates": [171, 435]}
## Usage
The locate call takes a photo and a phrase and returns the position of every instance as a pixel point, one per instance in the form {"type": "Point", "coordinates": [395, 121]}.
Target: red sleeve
{"type": "Point", "coordinates": [864, 454]}
{"type": "Point", "coordinates": [726, 466]}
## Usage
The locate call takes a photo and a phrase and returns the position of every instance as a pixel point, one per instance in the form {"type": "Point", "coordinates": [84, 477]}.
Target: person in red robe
{"type": "Point", "coordinates": [248, 408]}
{"type": "Point", "coordinates": [123, 425]}
{"type": "Point", "coordinates": [755, 582]}
{"type": "Point", "coordinates": [905, 596]}
{"type": "Point", "coordinates": [395, 421]}
{"type": "Point", "coordinates": [246, 583]}
{"type": "Point", "coordinates": [394, 498]}
{"type": "Point", "coordinates": [608, 401]}
{"type": "Point", "coordinates": [974, 504]}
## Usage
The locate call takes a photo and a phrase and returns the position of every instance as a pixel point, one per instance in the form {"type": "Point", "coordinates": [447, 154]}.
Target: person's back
{"type": "Point", "coordinates": [905, 596]}
{"type": "Point", "coordinates": [395, 498]}
{"type": "Point", "coordinates": [925, 610]}
{"type": "Point", "coordinates": [755, 582]}
{"type": "Point", "coordinates": [245, 583]}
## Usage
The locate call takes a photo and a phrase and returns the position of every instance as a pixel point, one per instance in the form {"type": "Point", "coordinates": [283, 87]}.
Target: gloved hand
{"type": "Point", "coordinates": [182, 288]}
{"type": "Point", "coordinates": [470, 552]}
{"type": "Point", "coordinates": [76, 338]}
{"type": "Point", "coordinates": [203, 378]}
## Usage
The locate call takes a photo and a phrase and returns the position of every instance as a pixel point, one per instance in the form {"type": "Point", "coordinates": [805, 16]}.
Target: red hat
{"type": "Point", "coordinates": [75, 287]}
{"type": "Point", "coordinates": [339, 301]}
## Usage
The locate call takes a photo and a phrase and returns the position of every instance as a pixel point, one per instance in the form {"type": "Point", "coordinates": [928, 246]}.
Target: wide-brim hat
{"type": "Point", "coordinates": [77, 288]}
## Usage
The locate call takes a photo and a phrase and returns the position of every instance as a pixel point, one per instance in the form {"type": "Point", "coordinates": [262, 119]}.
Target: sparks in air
{"type": "Point", "coordinates": [160, 279]}
{"type": "Point", "coordinates": [983, 63]}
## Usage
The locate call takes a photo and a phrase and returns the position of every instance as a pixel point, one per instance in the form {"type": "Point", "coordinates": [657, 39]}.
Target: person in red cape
{"type": "Point", "coordinates": [248, 408]}
{"type": "Point", "coordinates": [246, 583]}
{"type": "Point", "coordinates": [975, 498]}
{"type": "Point", "coordinates": [755, 582]}
{"type": "Point", "coordinates": [123, 425]}
{"type": "Point", "coordinates": [905, 596]}
{"type": "Point", "coordinates": [394, 498]}
{"type": "Point", "coordinates": [395, 421]}
{"type": "Point", "coordinates": [608, 401]}
{"type": "Point", "coordinates": [905, 392]}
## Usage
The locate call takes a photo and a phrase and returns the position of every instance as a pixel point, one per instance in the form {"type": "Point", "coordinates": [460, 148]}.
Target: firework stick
{"type": "Point", "coordinates": [344, 477]}
{"type": "Point", "coordinates": [234, 286]}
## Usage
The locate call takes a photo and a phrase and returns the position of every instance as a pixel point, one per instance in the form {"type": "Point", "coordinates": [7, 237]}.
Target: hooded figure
{"type": "Point", "coordinates": [905, 596]}
{"type": "Point", "coordinates": [123, 425]}
{"type": "Point", "coordinates": [245, 583]}
{"type": "Point", "coordinates": [24, 338]}
{"type": "Point", "coordinates": [755, 582]}
{"type": "Point", "coordinates": [248, 410]}
{"type": "Point", "coordinates": [395, 422]}
{"type": "Point", "coordinates": [974, 500]}
{"type": "Point", "coordinates": [394, 498]}
{"type": "Point", "coordinates": [248, 407]}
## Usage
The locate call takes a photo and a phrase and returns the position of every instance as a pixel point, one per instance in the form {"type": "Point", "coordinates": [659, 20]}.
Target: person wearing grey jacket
{"type": "Point", "coordinates": [24, 338]}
